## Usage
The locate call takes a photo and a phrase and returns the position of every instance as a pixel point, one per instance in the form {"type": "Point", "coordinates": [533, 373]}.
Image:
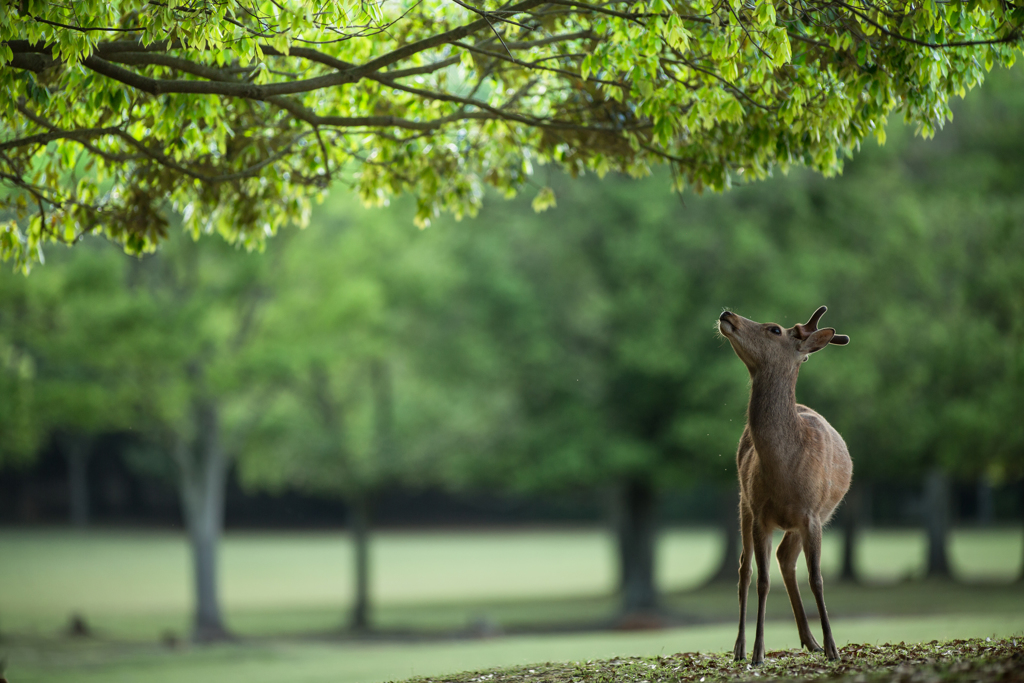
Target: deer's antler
{"type": "Point", "coordinates": [806, 330]}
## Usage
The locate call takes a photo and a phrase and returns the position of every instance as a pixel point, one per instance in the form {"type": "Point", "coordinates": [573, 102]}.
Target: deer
{"type": "Point", "coordinates": [793, 468]}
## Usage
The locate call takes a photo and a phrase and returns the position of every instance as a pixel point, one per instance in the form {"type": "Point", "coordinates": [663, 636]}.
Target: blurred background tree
{"type": "Point", "coordinates": [336, 344]}
{"type": "Point", "coordinates": [80, 326]}
{"type": "Point", "coordinates": [18, 423]}
{"type": "Point", "coordinates": [154, 348]}
{"type": "Point", "coordinates": [200, 394]}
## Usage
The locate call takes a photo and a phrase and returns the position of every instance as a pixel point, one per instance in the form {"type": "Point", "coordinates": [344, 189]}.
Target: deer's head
{"type": "Point", "coordinates": [769, 345]}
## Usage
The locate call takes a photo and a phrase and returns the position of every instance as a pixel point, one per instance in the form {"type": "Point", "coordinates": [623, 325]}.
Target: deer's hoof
{"type": "Point", "coordinates": [739, 651]}
{"type": "Point", "coordinates": [831, 652]}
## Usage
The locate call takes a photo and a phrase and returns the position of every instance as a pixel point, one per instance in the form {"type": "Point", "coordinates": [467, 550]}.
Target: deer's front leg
{"type": "Point", "coordinates": [812, 549]}
{"type": "Point", "coordinates": [739, 652]}
{"type": "Point", "coordinates": [762, 551]}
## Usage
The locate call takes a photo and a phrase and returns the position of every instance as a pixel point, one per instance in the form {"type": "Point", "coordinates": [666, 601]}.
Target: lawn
{"type": "Point", "coordinates": [287, 595]}
{"type": "Point", "coordinates": [130, 579]}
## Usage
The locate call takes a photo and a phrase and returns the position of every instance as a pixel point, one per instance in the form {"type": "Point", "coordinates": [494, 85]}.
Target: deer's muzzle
{"type": "Point", "coordinates": [726, 322]}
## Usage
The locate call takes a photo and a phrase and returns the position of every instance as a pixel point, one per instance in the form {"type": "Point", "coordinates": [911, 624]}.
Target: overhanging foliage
{"type": "Point", "coordinates": [235, 114]}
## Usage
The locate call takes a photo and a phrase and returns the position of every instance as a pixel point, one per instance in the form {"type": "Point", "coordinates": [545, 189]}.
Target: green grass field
{"type": "Point", "coordinates": [286, 594]}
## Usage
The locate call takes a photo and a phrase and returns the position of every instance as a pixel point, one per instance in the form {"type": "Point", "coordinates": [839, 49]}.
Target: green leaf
{"type": "Point", "coordinates": [544, 200]}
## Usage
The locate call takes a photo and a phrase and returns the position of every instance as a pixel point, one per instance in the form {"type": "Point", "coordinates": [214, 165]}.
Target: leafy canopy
{"type": "Point", "coordinates": [116, 113]}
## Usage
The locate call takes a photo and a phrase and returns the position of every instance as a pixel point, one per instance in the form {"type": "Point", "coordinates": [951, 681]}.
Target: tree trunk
{"type": "Point", "coordinates": [76, 450]}
{"type": "Point", "coordinates": [359, 520]}
{"type": "Point", "coordinates": [637, 535]}
{"type": "Point", "coordinates": [359, 504]}
{"type": "Point", "coordinates": [1020, 577]}
{"type": "Point", "coordinates": [203, 478]}
{"type": "Point", "coordinates": [986, 503]}
{"type": "Point", "coordinates": [937, 521]}
{"type": "Point", "coordinates": [855, 514]}
{"type": "Point", "coordinates": [729, 516]}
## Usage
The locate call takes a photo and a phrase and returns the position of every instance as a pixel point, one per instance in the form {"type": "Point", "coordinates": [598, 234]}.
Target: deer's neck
{"type": "Point", "coordinates": [771, 414]}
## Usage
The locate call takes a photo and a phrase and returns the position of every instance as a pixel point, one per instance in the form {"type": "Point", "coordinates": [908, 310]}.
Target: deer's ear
{"type": "Point", "coordinates": [840, 339]}
{"type": "Point", "coordinates": [817, 340]}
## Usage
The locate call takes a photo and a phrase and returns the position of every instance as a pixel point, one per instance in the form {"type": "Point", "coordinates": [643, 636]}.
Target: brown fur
{"type": "Point", "coordinates": [793, 468]}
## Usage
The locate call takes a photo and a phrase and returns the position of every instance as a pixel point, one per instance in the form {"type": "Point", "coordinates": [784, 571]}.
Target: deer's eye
{"type": "Point", "coordinates": [775, 330]}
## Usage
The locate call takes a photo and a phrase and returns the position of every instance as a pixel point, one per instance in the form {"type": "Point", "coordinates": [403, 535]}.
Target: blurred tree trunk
{"type": "Point", "coordinates": [637, 536]}
{"type": "Point", "coordinates": [729, 517]}
{"type": "Point", "coordinates": [360, 503]}
{"type": "Point", "coordinates": [359, 522]}
{"type": "Point", "coordinates": [936, 512]}
{"type": "Point", "coordinates": [203, 466]}
{"type": "Point", "coordinates": [1020, 490]}
{"type": "Point", "coordinates": [76, 450]}
{"type": "Point", "coordinates": [855, 514]}
{"type": "Point", "coordinates": [986, 504]}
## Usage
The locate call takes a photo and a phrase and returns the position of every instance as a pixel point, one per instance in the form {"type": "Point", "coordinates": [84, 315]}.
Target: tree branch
{"type": "Point", "coordinates": [251, 91]}
{"type": "Point", "coordinates": [1015, 33]}
{"type": "Point", "coordinates": [43, 138]}
{"type": "Point", "coordinates": [529, 65]}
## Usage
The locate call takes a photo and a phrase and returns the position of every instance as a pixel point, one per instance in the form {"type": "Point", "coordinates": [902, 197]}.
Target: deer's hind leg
{"type": "Point", "coordinates": [812, 550]}
{"type": "Point", "coordinates": [787, 555]}
{"type": "Point", "coordinates": [746, 529]}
